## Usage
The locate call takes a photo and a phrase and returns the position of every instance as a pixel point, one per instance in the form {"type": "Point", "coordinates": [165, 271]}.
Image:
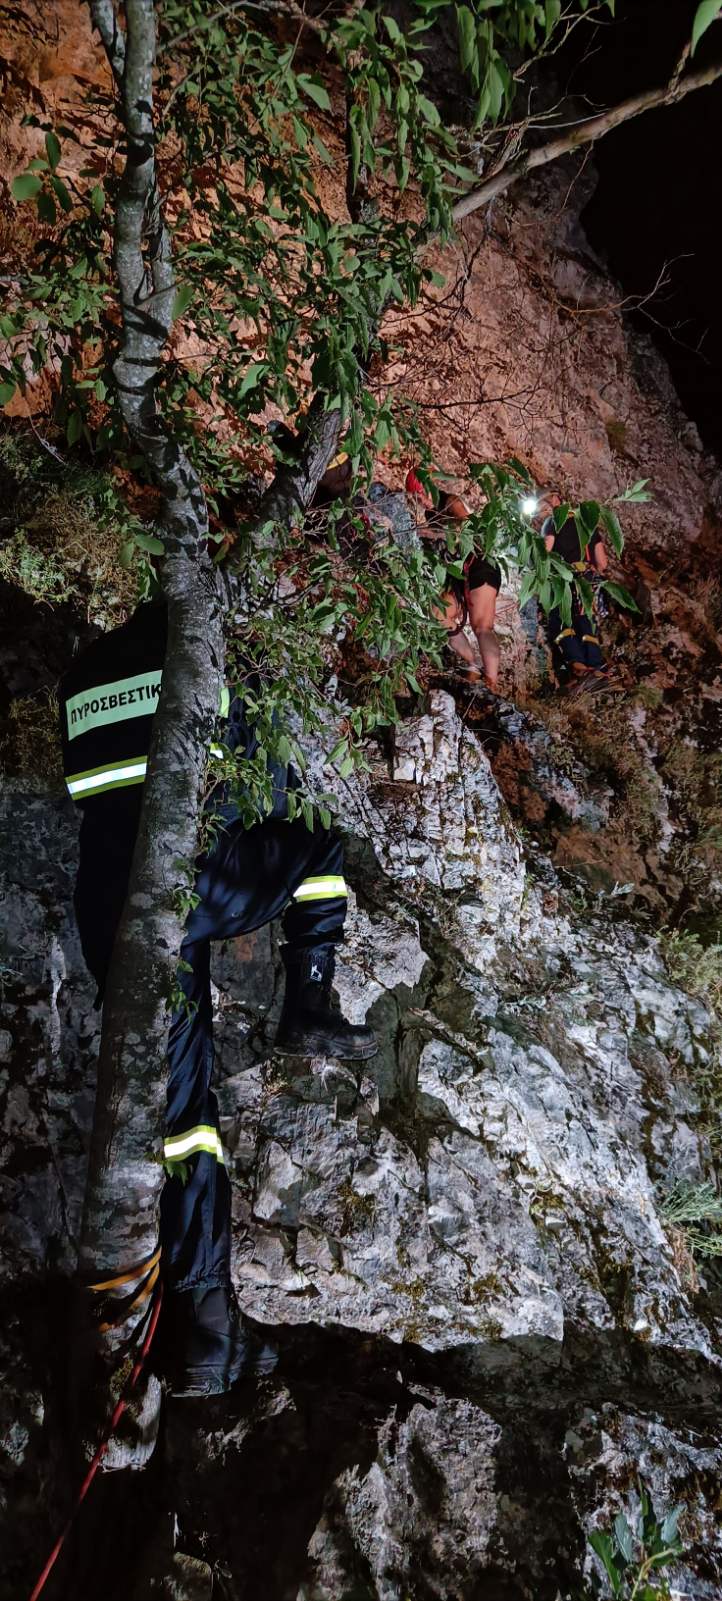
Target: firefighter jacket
{"type": "Point", "coordinates": [107, 701]}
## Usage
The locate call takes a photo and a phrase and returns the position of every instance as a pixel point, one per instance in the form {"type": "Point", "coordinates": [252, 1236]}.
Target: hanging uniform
{"type": "Point", "coordinates": [277, 867]}
{"type": "Point", "coordinates": [578, 641]}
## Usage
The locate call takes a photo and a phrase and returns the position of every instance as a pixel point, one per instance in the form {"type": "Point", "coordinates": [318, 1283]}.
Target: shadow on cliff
{"type": "Point", "coordinates": [247, 1480]}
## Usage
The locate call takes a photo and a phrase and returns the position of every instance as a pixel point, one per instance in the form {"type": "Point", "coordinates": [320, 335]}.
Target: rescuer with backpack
{"type": "Point", "coordinates": [248, 876]}
{"type": "Point", "coordinates": [576, 649]}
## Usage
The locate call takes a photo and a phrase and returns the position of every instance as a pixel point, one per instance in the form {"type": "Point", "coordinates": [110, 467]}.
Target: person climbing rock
{"type": "Point", "coordinates": [576, 649]}
{"type": "Point", "coordinates": [246, 877]}
{"type": "Point", "coordinates": [472, 597]}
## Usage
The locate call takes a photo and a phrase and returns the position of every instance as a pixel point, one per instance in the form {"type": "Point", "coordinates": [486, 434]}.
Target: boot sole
{"type": "Point", "coordinates": [321, 1049]}
{"type": "Point", "coordinates": [200, 1382]}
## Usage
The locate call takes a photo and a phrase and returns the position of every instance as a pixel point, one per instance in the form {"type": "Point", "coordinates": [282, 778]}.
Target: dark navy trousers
{"type": "Point", "coordinates": [577, 643]}
{"type": "Point", "coordinates": [274, 869]}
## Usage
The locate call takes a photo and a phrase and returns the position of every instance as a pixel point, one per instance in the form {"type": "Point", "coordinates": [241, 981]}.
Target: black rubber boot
{"type": "Point", "coordinates": [310, 1024]}
{"type": "Point", "coordinates": [209, 1345]}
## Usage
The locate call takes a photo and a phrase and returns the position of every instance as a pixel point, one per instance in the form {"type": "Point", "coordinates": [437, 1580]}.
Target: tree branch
{"type": "Point", "coordinates": [586, 134]}
{"type": "Point", "coordinates": [111, 33]}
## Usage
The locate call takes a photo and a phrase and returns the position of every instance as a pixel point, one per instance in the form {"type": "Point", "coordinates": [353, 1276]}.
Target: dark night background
{"type": "Point", "coordinates": [658, 197]}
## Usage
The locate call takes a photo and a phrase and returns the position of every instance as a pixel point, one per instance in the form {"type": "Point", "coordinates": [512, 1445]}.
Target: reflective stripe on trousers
{"type": "Point", "coordinates": [204, 1137]}
{"type": "Point", "coordinates": [320, 888]}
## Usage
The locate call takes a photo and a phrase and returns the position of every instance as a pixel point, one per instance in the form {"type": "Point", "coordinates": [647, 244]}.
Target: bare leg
{"type": "Point", "coordinates": [452, 617]}
{"type": "Point", "coordinates": [482, 611]}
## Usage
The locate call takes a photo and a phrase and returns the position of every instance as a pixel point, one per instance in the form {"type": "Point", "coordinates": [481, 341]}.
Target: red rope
{"type": "Point", "coordinates": [120, 1408]}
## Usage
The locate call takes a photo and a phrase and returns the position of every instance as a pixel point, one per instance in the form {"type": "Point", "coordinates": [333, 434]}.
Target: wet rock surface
{"type": "Point", "coordinates": [484, 1327]}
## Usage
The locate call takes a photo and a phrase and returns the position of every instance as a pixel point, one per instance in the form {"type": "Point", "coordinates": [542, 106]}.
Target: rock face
{"type": "Point", "coordinates": [485, 1331]}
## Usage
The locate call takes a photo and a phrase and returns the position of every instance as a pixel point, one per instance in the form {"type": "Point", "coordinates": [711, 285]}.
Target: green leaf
{"type": "Point", "coordinates": [314, 89]}
{"type": "Point", "coordinates": [323, 151]}
{"type": "Point", "coordinates": [613, 528]}
{"type": "Point", "coordinates": [46, 208]}
{"type": "Point", "coordinates": [561, 514]}
{"type": "Point", "coordinates": [528, 588]}
{"type": "Point", "coordinates": [126, 553]}
{"type": "Point", "coordinates": [373, 104]}
{"type": "Point", "coordinates": [26, 187]}
{"type": "Point", "coordinates": [393, 30]}
{"type": "Point", "coordinates": [602, 1544]}
{"type": "Point", "coordinates": [624, 1537]}
{"type": "Point", "coordinates": [496, 91]}
{"type": "Point", "coordinates": [6, 393]}
{"type": "Point", "coordinates": [468, 46]}
{"type": "Point", "coordinates": [251, 377]}
{"type": "Point", "coordinates": [590, 512]}
{"type": "Point", "coordinates": [704, 16]}
{"type": "Point", "coordinates": [97, 199]}
{"type": "Point", "coordinates": [62, 193]}
{"type": "Point", "coordinates": [52, 145]}
{"type": "Point", "coordinates": [74, 427]}
{"type": "Point", "coordinates": [552, 13]}
{"type": "Point", "coordinates": [620, 594]}
{"type": "Point", "coordinates": [428, 111]}
{"type": "Point", "coordinates": [181, 300]}
{"type": "Point", "coordinates": [586, 594]}
{"type": "Point", "coordinates": [150, 542]}
{"type": "Point", "coordinates": [669, 1526]}
{"type": "Point", "coordinates": [638, 492]}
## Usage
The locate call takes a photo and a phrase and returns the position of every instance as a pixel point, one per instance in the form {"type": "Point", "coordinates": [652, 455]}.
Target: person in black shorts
{"type": "Point", "coordinates": [471, 598]}
{"type": "Point", "coordinates": [576, 649]}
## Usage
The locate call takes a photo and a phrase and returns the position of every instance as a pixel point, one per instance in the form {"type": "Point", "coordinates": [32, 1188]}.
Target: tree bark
{"type": "Point", "coordinates": [120, 1223]}
{"type": "Point", "coordinates": [125, 1176]}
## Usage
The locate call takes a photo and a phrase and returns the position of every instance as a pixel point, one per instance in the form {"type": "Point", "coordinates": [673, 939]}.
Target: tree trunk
{"type": "Point", "coordinates": [125, 1175]}
{"type": "Point", "coordinates": [120, 1222]}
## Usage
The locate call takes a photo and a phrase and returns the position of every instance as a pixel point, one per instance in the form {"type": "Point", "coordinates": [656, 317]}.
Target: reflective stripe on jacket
{"type": "Point", "coordinates": [107, 701]}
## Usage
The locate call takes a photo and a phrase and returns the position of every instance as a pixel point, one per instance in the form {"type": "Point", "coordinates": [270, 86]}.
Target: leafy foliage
{"type": "Point", "coordinates": [633, 1554]}
{"type": "Point", "coordinates": [279, 300]}
{"type": "Point", "coordinates": [696, 1209]}
{"type": "Point", "coordinates": [506, 536]}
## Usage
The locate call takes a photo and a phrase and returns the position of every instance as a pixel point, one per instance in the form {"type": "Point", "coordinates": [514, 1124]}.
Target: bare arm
{"type": "Point", "coordinates": [600, 557]}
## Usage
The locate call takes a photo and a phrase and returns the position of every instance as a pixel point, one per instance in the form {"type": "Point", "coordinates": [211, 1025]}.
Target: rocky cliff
{"type": "Point", "coordinates": [486, 1329]}
{"type": "Point", "coordinates": [489, 1327]}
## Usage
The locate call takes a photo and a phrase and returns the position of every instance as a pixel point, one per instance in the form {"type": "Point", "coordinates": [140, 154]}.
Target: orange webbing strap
{"type": "Point", "coordinates": [566, 633]}
{"type": "Point", "coordinates": [591, 639]}
{"type": "Point", "coordinates": [143, 1294]}
{"type": "Point", "coordinates": [129, 1276]}
{"type": "Point", "coordinates": [146, 1275]}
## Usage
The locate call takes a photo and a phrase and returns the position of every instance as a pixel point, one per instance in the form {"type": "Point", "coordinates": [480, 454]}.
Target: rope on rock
{"type": "Point", "coordinates": [118, 1411]}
